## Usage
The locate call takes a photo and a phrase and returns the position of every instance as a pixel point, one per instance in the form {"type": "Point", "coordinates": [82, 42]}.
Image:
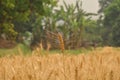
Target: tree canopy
{"type": "Point", "coordinates": [20, 11]}
{"type": "Point", "coordinates": [111, 22]}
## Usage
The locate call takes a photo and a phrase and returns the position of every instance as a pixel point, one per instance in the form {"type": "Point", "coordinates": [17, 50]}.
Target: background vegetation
{"type": "Point", "coordinates": [31, 22]}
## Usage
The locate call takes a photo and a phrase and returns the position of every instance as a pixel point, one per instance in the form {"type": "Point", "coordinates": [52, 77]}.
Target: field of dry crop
{"type": "Point", "coordinates": [103, 64]}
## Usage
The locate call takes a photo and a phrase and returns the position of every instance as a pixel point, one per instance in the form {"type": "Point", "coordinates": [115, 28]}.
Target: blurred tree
{"type": "Point", "coordinates": [104, 4]}
{"type": "Point", "coordinates": [44, 22]}
{"type": "Point", "coordinates": [70, 21]}
{"type": "Point", "coordinates": [18, 12]}
{"type": "Point", "coordinates": [6, 16]}
{"type": "Point", "coordinates": [111, 23]}
{"type": "Point", "coordinates": [116, 33]}
{"type": "Point", "coordinates": [92, 33]}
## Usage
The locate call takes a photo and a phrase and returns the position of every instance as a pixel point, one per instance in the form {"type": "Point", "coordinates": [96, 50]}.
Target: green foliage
{"type": "Point", "coordinates": [28, 37]}
{"type": "Point", "coordinates": [73, 19]}
{"type": "Point", "coordinates": [14, 11]}
{"type": "Point", "coordinates": [37, 16]}
{"type": "Point", "coordinates": [92, 32]}
{"type": "Point", "coordinates": [100, 22]}
{"type": "Point", "coordinates": [116, 33]}
{"type": "Point", "coordinates": [104, 4]}
{"type": "Point", "coordinates": [111, 13]}
{"type": "Point", "coordinates": [5, 18]}
{"type": "Point", "coordinates": [111, 23]}
{"type": "Point", "coordinates": [8, 29]}
{"type": "Point", "coordinates": [18, 50]}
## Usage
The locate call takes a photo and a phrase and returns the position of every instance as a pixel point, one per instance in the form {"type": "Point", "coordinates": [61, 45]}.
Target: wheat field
{"type": "Point", "coordinates": [101, 64]}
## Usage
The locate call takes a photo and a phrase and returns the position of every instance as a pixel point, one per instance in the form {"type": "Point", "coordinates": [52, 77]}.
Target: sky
{"type": "Point", "coordinates": [90, 6]}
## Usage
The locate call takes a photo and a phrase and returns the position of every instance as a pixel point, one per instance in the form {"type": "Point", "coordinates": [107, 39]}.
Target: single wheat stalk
{"type": "Point", "coordinates": [48, 46]}
{"type": "Point", "coordinates": [61, 44]}
{"type": "Point", "coordinates": [76, 73]}
{"type": "Point", "coordinates": [20, 51]}
{"type": "Point", "coordinates": [50, 74]}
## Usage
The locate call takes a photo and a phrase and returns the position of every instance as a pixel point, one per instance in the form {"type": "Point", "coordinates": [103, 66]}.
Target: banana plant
{"type": "Point", "coordinates": [75, 20]}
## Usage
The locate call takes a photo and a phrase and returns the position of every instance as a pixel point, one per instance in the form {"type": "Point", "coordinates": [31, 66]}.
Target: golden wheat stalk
{"type": "Point", "coordinates": [61, 44]}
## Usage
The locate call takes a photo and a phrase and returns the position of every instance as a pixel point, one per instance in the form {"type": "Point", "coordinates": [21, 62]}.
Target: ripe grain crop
{"type": "Point", "coordinates": [61, 44]}
{"type": "Point", "coordinates": [103, 64]}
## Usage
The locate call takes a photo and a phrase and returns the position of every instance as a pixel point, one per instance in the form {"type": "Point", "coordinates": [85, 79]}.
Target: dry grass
{"type": "Point", "coordinates": [101, 64]}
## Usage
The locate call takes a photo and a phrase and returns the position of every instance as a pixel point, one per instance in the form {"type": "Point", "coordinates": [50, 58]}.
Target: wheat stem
{"type": "Point", "coordinates": [61, 44]}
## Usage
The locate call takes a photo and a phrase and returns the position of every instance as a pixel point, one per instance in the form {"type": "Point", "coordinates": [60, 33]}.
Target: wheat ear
{"type": "Point", "coordinates": [61, 44]}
